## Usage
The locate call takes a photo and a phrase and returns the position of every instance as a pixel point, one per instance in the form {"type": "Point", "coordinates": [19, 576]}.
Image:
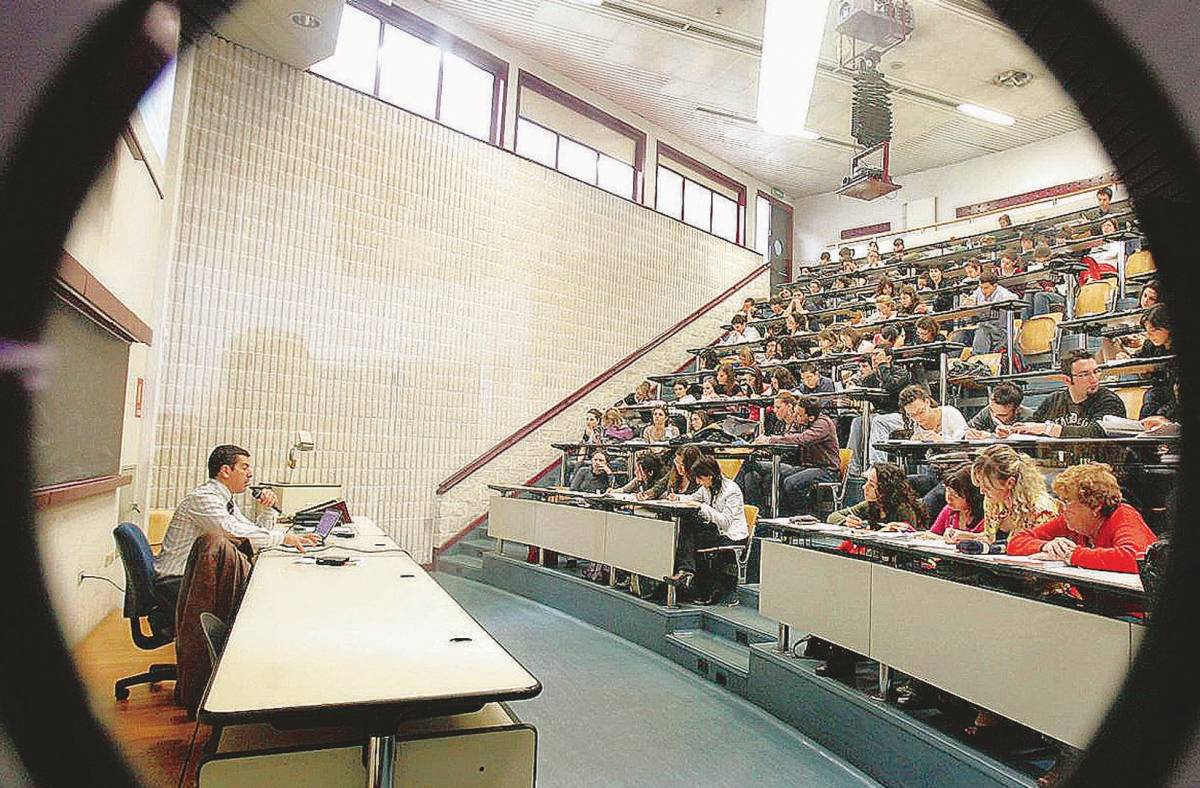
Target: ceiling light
{"type": "Point", "coordinates": [590, 2]}
{"type": "Point", "coordinates": [305, 20]}
{"type": "Point", "coordinates": [990, 115]}
{"type": "Point", "coordinates": [792, 33]}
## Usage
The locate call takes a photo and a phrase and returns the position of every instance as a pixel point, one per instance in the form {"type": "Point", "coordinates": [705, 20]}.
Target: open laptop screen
{"type": "Point", "coordinates": [329, 521]}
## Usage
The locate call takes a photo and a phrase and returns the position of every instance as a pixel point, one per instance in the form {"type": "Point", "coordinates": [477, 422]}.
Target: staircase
{"type": "Point", "coordinates": [719, 649]}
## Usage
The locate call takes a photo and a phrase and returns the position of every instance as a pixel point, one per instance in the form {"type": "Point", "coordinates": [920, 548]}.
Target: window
{"type": "Point", "coordinates": [155, 109]}
{"type": "Point", "coordinates": [408, 71]}
{"type": "Point", "coordinates": [578, 161]}
{"type": "Point", "coordinates": [668, 196]}
{"type": "Point", "coordinates": [724, 218]}
{"type": "Point", "coordinates": [353, 60]}
{"type": "Point", "coordinates": [559, 130]}
{"type": "Point", "coordinates": [402, 59]}
{"type": "Point", "coordinates": [762, 225]}
{"type": "Point", "coordinates": [700, 196]}
{"type": "Point", "coordinates": [466, 96]}
{"type": "Point", "coordinates": [616, 177]}
{"type": "Point", "coordinates": [537, 143]}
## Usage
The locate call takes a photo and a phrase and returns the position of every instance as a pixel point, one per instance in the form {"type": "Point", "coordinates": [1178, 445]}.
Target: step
{"type": "Point", "coordinates": [716, 658]}
{"type": "Point", "coordinates": [748, 594]}
{"type": "Point", "coordinates": [475, 546]}
{"type": "Point", "coordinates": [470, 567]}
{"type": "Point", "coordinates": [740, 624]}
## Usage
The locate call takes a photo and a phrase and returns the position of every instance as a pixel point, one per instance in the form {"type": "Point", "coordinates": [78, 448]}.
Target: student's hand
{"type": "Point", "coordinates": [979, 435]}
{"type": "Point", "coordinates": [966, 301]}
{"type": "Point", "coordinates": [955, 535]}
{"type": "Point", "coordinates": [1004, 430]}
{"type": "Point", "coordinates": [761, 439]}
{"type": "Point", "coordinates": [1059, 548]}
{"type": "Point", "coordinates": [896, 526]}
{"type": "Point", "coordinates": [672, 497]}
{"type": "Point", "coordinates": [1120, 354]}
{"type": "Point", "coordinates": [1154, 422]}
{"type": "Point", "coordinates": [300, 541]}
{"type": "Point", "coordinates": [854, 521]}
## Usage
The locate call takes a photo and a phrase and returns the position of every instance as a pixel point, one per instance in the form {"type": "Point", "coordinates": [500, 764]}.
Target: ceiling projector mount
{"type": "Point", "coordinates": [866, 30]}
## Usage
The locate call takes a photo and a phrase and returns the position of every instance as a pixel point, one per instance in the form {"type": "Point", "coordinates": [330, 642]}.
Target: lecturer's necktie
{"type": "Point", "coordinates": [229, 507]}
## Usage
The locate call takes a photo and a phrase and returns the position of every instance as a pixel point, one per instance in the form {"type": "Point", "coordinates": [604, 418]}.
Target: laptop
{"type": "Point", "coordinates": [329, 521]}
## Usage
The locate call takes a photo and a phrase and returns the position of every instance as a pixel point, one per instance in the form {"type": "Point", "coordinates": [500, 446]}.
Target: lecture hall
{"type": "Point", "coordinates": [514, 393]}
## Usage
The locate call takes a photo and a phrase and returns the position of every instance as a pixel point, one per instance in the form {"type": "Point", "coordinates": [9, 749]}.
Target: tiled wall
{"type": "Point", "coordinates": [408, 294]}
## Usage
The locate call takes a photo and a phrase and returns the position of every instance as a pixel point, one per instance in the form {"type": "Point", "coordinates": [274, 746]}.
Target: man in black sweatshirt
{"type": "Point", "coordinates": [887, 375]}
{"type": "Point", "coordinates": [1073, 412]}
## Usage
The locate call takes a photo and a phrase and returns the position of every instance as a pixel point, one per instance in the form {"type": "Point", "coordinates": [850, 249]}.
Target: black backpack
{"type": "Point", "coordinates": [1152, 568]}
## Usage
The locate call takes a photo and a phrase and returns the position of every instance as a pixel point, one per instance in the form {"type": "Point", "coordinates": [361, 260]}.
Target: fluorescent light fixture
{"type": "Point", "coordinates": [590, 2]}
{"type": "Point", "coordinates": [990, 115]}
{"type": "Point", "coordinates": [792, 34]}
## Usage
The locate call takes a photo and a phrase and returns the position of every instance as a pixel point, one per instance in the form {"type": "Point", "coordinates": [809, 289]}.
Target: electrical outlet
{"type": "Point", "coordinates": [79, 578]}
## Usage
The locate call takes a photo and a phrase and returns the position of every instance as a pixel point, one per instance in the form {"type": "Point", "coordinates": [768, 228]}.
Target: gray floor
{"type": "Point", "coordinates": [615, 714]}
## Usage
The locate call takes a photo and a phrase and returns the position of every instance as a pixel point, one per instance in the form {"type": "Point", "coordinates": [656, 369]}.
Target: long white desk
{"type": "Point", "coordinates": [368, 644]}
{"type": "Point", "coordinates": [1052, 668]}
{"type": "Point", "coordinates": [642, 545]}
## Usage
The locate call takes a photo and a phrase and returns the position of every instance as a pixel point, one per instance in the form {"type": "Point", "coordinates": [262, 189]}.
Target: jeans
{"type": "Point", "coordinates": [754, 479]}
{"type": "Point", "coordinates": [796, 496]}
{"type": "Point", "coordinates": [882, 425]}
{"type": "Point", "coordinates": [989, 337]}
{"type": "Point", "coordinates": [932, 492]}
{"type": "Point", "coordinates": [1042, 303]}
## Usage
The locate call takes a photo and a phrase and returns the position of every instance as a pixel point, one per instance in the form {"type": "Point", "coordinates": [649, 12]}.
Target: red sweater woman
{"type": "Point", "coordinates": [1095, 530]}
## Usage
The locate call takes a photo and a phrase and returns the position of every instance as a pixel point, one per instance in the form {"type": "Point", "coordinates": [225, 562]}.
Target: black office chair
{"type": "Point", "coordinates": [142, 602]}
{"type": "Point", "coordinates": [215, 632]}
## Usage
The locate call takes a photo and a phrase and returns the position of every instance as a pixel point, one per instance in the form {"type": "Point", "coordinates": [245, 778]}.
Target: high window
{"type": "Point", "coordinates": [700, 196]}
{"type": "Point", "coordinates": [404, 60]}
{"type": "Point", "coordinates": [561, 131]}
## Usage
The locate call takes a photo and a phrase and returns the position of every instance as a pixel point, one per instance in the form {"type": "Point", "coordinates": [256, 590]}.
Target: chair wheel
{"type": "Point", "coordinates": [122, 693]}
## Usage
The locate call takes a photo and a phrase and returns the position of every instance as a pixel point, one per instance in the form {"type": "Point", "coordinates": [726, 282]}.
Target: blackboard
{"type": "Point", "coordinates": [78, 416]}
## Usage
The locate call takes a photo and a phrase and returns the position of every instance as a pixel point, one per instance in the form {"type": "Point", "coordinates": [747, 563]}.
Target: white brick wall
{"type": "Point", "coordinates": [407, 293]}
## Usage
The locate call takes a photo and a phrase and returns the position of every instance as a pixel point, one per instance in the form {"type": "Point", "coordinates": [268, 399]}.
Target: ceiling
{"type": "Point", "coordinates": [691, 67]}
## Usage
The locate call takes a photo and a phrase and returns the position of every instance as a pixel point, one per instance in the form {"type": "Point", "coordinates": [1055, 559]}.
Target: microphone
{"type": "Point", "coordinates": [257, 493]}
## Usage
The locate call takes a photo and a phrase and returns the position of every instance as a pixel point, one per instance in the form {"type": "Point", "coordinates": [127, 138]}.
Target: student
{"type": "Point", "coordinates": [708, 388]}
{"type": "Point", "coordinates": [910, 304]}
{"type": "Point", "coordinates": [885, 286]}
{"type": "Point", "coordinates": [660, 429]}
{"type": "Point", "coordinates": [1122, 347]}
{"type": "Point", "coordinates": [817, 457]}
{"type": "Point", "coordinates": [963, 512]}
{"type": "Point", "coordinates": [885, 309]}
{"type": "Point", "coordinates": [990, 334]}
{"type": "Point", "coordinates": [721, 520]}
{"type": "Point", "coordinates": [777, 305]}
{"type": "Point", "coordinates": [1003, 408]}
{"type": "Point", "coordinates": [782, 379]}
{"type": "Point", "coordinates": [884, 374]}
{"type": "Point", "coordinates": [746, 357]}
{"type": "Point", "coordinates": [1014, 493]}
{"type": "Point", "coordinates": [751, 383]}
{"type": "Point", "coordinates": [592, 432]}
{"type": "Point", "coordinates": [827, 340]}
{"type": "Point", "coordinates": [709, 360]}
{"type": "Point", "coordinates": [845, 254]}
{"type": "Point", "coordinates": [813, 382]}
{"type": "Point", "coordinates": [850, 341]}
{"type": "Point", "coordinates": [1103, 205]}
{"type": "Point", "coordinates": [927, 331]}
{"type": "Point", "coordinates": [741, 332]}
{"type": "Point", "coordinates": [931, 424]}
{"type": "Point", "coordinates": [703, 428]}
{"type": "Point", "coordinates": [1160, 399]}
{"type": "Point", "coordinates": [890, 336]}
{"type": "Point", "coordinates": [816, 296]}
{"type": "Point", "coordinates": [824, 259]}
{"type": "Point", "coordinates": [1005, 221]}
{"type": "Point", "coordinates": [596, 477]}
{"type": "Point", "coordinates": [642, 394]}
{"type": "Point", "coordinates": [771, 352]}
{"type": "Point", "coordinates": [873, 259]}
{"type": "Point", "coordinates": [676, 480]}
{"type": "Point", "coordinates": [1075, 411]}
{"type": "Point", "coordinates": [748, 308]}
{"type": "Point", "coordinates": [789, 349]}
{"type": "Point", "coordinates": [943, 301]}
{"type": "Point", "coordinates": [971, 271]}
{"type": "Point", "coordinates": [1096, 529]}
{"type": "Point", "coordinates": [898, 247]}
{"type": "Point", "coordinates": [615, 428]}
{"type": "Point", "coordinates": [793, 324]}
{"type": "Point", "coordinates": [681, 389]}
{"type": "Point", "coordinates": [726, 383]}
{"type": "Point", "coordinates": [648, 472]}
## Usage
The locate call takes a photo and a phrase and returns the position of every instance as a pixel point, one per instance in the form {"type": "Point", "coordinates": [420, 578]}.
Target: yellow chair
{"type": "Point", "coordinates": [991, 360]}
{"type": "Point", "coordinates": [1140, 262]}
{"type": "Point", "coordinates": [157, 521]}
{"type": "Point", "coordinates": [1133, 397]}
{"type": "Point", "coordinates": [751, 516]}
{"type": "Point", "coordinates": [1095, 298]}
{"type": "Point", "coordinates": [1037, 334]}
{"type": "Point", "coordinates": [741, 553]}
{"type": "Point", "coordinates": [730, 467]}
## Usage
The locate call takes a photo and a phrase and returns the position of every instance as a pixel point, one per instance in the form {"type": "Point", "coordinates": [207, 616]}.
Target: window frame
{"type": "Point", "coordinates": [430, 33]}
{"type": "Point", "coordinates": [526, 80]}
{"type": "Point", "coordinates": [558, 138]}
{"type": "Point", "coordinates": [665, 151]}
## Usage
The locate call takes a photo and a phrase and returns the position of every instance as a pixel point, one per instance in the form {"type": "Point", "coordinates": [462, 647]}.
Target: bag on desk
{"type": "Point", "coordinates": [979, 547]}
{"type": "Point", "coordinates": [1152, 568]}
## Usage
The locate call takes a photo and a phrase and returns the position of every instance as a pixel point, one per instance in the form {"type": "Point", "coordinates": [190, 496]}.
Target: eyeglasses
{"type": "Point", "coordinates": [1091, 373]}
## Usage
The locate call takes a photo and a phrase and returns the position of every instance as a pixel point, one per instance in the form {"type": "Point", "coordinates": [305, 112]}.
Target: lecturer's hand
{"type": "Point", "coordinates": [267, 498]}
{"type": "Point", "coordinates": [299, 541]}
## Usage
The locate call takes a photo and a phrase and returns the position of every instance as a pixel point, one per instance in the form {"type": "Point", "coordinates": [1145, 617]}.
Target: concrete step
{"type": "Point", "coordinates": [741, 624]}
{"type": "Point", "coordinates": [717, 659]}
{"type": "Point", "coordinates": [470, 567]}
{"type": "Point", "coordinates": [748, 594]}
{"type": "Point", "coordinates": [475, 546]}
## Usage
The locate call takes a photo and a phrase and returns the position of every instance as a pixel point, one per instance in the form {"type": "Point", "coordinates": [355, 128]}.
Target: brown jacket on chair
{"type": "Point", "coordinates": [218, 569]}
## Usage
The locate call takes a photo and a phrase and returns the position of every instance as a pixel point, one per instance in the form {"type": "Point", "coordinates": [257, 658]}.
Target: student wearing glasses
{"type": "Point", "coordinates": [1075, 411]}
{"type": "Point", "coordinates": [1003, 408]}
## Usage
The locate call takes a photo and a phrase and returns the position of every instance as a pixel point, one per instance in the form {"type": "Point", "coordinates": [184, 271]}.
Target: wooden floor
{"type": "Point", "coordinates": [153, 732]}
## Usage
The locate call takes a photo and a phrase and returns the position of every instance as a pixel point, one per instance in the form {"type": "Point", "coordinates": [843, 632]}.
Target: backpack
{"type": "Point", "coordinates": [1152, 568]}
{"type": "Point", "coordinates": [646, 588]}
